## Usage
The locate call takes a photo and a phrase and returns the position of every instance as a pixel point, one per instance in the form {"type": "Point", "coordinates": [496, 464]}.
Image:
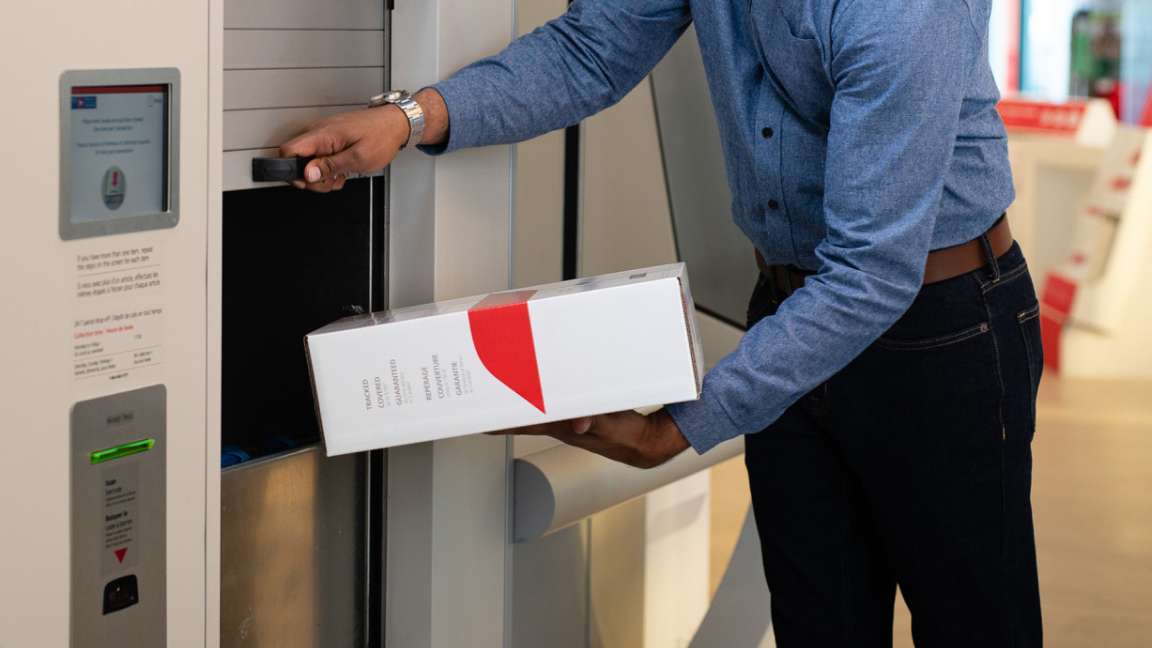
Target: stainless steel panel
{"type": "Point", "coordinates": [293, 547]}
{"type": "Point", "coordinates": [245, 89]}
{"type": "Point", "coordinates": [119, 515]}
{"type": "Point", "coordinates": [254, 129]}
{"type": "Point", "coordinates": [278, 48]}
{"type": "Point", "coordinates": [718, 254]}
{"type": "Point", "coordinates": [304, 14]}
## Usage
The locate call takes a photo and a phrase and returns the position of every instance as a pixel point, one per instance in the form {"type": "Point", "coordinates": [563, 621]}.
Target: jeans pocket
{"type": "Point", "coordinates": [934, 342]}
{"type": "Point", "coordinates": [1029, 321]}
{"type": "Point", "coordinates": [944, 386]}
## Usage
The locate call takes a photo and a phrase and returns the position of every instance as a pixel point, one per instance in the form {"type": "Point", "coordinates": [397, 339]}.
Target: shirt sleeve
{"type": "Point", "coordinates": [899, 71]}
{"type": "Point", "coordinates": [572, 67]}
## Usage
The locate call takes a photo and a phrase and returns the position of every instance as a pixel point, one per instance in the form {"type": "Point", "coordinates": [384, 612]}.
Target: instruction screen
{"type": "Point", "coordinates": [119, 151]}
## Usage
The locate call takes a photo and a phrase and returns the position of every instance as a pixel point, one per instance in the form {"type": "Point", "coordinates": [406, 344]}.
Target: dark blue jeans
{"type": "Point", "coordinates": [911, 467]}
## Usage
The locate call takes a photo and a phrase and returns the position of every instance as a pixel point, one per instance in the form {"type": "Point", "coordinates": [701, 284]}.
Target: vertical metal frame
{"type": "Point", "coordinates": [448, 516]}
{"type": "Point", "coordinates": [376, 499]}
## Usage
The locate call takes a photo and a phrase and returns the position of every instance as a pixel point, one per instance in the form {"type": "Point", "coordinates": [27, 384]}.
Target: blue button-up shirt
{"type": "Point", "coordinates": [858, 136]}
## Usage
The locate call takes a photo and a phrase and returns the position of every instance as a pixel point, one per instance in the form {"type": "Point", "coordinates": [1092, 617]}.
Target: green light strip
{"type": "Point", "coordinates": [121, 451]}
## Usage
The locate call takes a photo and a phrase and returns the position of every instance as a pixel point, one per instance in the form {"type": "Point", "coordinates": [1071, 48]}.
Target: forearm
{"type": "Point", "coordinates": [893, 126]}
{"type": "Point", "coordinates": [815, 333]}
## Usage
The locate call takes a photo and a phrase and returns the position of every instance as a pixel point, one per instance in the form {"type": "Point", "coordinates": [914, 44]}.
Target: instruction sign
{"type": "Point", "coordinates": [117, 324]}
{"type": "Point", "coordinates": [121, 486]}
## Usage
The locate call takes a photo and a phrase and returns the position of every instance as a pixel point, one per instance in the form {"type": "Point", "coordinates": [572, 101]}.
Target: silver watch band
{"type": "Point", "coordinates": [403, 100]}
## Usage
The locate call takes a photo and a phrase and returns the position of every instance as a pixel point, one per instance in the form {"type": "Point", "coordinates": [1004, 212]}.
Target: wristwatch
{"type": "Point", "coordinates": [403, 100]}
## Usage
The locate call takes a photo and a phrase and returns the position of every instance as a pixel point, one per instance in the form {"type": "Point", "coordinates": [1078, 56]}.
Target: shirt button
{"type": "Point", "coordinates": [767, 133]}
{"type": "Point", "coordinates": [773, 205]}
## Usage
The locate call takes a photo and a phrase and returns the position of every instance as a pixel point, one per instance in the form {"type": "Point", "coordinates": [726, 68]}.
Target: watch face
{"type": "Point", "coordinates": [388, 97]}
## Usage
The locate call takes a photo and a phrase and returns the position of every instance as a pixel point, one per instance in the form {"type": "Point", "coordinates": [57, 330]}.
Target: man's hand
{"type": "Point", "coordinates": [627, 437]}
{"type": "Point", "coordinates": [362, 141]}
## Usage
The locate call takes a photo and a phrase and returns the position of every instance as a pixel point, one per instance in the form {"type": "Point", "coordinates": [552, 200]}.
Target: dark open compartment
{"type": "Point", "coordinates": [293, 261]}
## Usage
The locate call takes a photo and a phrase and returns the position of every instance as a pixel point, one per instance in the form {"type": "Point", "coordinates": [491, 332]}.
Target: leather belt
{"type": "Point", "coordinates": [942, 265]}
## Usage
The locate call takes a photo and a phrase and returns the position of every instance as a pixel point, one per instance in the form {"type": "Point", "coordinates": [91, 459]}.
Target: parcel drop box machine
{"type": "Point", "coordinates": [118, 170]}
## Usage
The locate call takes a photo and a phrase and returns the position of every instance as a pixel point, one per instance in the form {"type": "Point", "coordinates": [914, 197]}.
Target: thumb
{"type": "Point", "coordinates": [329, 167]}
{"type": "Point", "coordinates": [582, 425]}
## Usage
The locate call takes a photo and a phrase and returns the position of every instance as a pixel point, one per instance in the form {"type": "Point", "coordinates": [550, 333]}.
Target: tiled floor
{"type": "Point", "coordinates": [1092, 497]}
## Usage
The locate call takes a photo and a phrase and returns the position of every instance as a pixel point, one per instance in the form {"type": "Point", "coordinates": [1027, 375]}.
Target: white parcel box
{"type": "Point", "coordinates": [578, 348]}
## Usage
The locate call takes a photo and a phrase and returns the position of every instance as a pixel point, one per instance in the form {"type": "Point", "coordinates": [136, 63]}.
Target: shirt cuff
{"type": "Point", "coordinates": [704, 423]}
{"type": "Point", "coordinates": [462, 109]}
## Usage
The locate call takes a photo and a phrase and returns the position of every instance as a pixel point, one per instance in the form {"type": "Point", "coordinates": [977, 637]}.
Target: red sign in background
{"type": "Point", "coordinates": [1043, 116]}
{"type": "Point", "coordinates": [1055, 305]}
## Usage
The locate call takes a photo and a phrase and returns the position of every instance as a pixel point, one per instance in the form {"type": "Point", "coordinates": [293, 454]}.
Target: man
{"type": "Point", "coordinates": [887, 380]}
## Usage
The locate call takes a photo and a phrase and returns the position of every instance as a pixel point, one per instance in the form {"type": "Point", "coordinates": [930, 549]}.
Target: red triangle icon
{"type": "Point", "coordinates": [120, 553]}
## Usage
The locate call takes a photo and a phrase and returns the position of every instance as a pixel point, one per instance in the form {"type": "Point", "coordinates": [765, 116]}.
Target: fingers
{"type": "Point", "coordinates": [543, 429]}
{"type": "Point", "coordinates": [350, 143]}
{"type": "Point", "coordinates": [609, 436]}
{"type": "Point", "coordinates": [334, 167]}
{"type": "Point", "coordinates": [326, 174]}
{"type": "Point", "coordinates": [586, 442]}
{"type": "Point", "coordinates": [608, 449]}
{"type": "Point", "coordinates": [335, 159]}
{"type": "Point", "coordinates": [325, 185]}
{"type": "Point", "coordinates": [328, 168]}
{"type": "Point", "coordinates": [319, 140]}
{"type": "Point", "coordinates": [580, 426]}
{"type": "Point", "coordinates": [626, 437]}
{"type": "Point", "coordinates": [620, 428]}
{"type": "Point", "coordinates": [302, 146]}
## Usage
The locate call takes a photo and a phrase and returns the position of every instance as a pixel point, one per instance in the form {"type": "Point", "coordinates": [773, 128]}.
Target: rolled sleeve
{"type": "Point", "coordinates": [704, 423]}
{"type": "Point", "coordinates": [464, 129]}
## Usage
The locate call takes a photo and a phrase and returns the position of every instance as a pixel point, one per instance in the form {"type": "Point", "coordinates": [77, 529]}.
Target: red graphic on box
{"type": "Point", "coordinates": [1056, 303]}
{"type": "Point", "coordinates": [502, 334]}
{"type": "Point", "coordinates": [120, 553]}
